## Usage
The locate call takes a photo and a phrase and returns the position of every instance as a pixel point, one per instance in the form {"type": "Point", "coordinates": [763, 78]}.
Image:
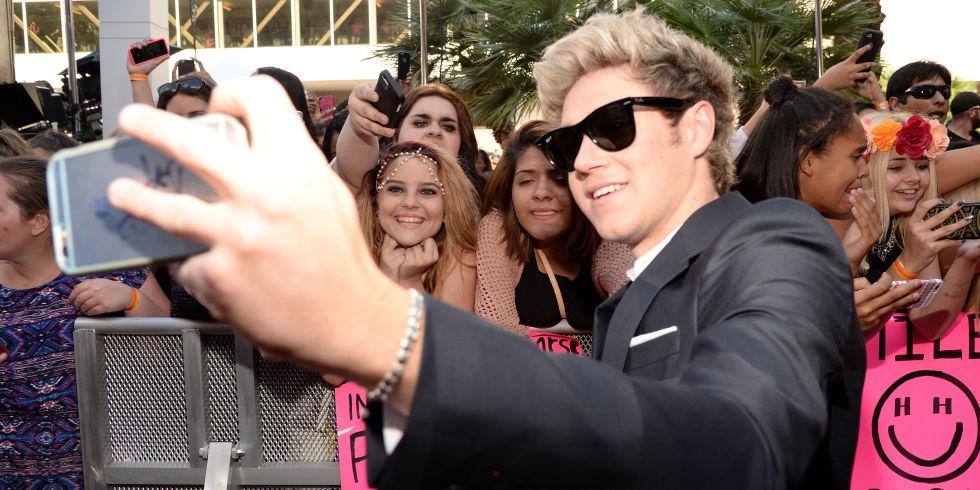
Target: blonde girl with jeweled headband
{"type": "Point", "coordinates": [902, 149]}
{"type": "Point", "coordinates": [419, 215]}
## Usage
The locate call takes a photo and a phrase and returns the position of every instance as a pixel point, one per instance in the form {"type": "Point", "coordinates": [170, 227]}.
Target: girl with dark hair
{"type": "Point", "coordinates": [810, 146]}
{"type": "Point", "coordinates": [38, 306]}
{"type": "Point", "coordinates": [186, 96]}
{"type": "Point", "coordinates": [540, 262]}
{"type": "Point", "coordinates": [432, 114]}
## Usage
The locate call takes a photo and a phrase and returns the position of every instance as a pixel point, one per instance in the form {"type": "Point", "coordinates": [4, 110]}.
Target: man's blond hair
{"type": "Point", "coordinates": [670, 63]}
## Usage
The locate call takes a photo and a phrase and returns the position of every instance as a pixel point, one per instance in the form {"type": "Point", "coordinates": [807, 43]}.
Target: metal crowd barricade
{"type": "Point", "coordinates": [184, 405]}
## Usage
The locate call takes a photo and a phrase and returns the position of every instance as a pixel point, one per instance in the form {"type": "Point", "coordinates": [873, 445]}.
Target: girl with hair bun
{"type": "Point", "coordinates": [810, 146]}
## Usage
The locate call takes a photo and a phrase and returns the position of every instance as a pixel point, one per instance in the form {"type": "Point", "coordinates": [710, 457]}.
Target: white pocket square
{"type": "Point", "coordinates": [644, 338]}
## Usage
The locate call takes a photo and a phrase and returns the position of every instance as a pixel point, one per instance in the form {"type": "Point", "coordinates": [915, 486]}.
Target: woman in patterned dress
{"type": "Point", "coordinates": [39, 434]}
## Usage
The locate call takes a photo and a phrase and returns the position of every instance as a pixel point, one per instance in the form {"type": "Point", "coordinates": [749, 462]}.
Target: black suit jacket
{"type": "Point", "coordinates": [758, 387]}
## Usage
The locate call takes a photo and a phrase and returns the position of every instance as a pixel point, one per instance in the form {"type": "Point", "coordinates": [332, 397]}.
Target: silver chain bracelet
{"type": "Point", "coordinates": [391, 378]}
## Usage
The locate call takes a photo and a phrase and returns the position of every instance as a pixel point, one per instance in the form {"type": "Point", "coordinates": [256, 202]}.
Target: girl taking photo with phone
{"type": "Point", "coordinates": [432, 114]}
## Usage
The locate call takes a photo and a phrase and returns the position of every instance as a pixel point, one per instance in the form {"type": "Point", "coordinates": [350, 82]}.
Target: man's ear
{"type": "Point", "coordinates": [40, 223]}
{"type": "Point", "coordinates": [699, 124]}
{"type": "Point", "coordinates": [893, 103]}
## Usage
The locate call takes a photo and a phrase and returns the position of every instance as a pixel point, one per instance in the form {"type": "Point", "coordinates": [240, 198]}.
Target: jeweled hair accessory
{"type": "Point", "coordinates": [914, 138]}
{"type": "Point", "coordinates": [430, 164]}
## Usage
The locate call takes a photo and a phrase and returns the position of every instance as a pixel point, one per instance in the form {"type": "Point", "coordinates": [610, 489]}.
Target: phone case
{"type": "Point", "coordinates": [390, 97]}
{"type": "Point", "coordinates": [873, 37]}
{"type": "Point", "coordinates": [971, 231]}
{"type": "Point", "coordinates": [182, 67]}
{"type": "Point", "coordinates": [927, 292]}
{"type": "Point", "coordinates": [166, 47]}
{"type": "Point", "coordinates": [89, 235]}
{"type": "Point", "coordinates": [404, 64]}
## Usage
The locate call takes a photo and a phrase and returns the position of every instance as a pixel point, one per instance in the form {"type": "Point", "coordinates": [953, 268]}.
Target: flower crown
{"type": "Point", "coordinates": [914, 138]}
{"type": "Point", "coordinates": [430, 164]}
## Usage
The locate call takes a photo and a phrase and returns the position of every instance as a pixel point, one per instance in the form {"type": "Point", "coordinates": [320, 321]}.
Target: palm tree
{"type": "Point", "coordinates": [766, 38]}
{"type": "Point", "coordinates": [486, 48]}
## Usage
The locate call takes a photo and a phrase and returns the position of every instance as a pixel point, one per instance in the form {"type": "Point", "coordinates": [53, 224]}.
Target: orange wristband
{"type": "Point", "coordinates": [902, 271]}
{"type": "Point", "coordinates": [135, 77]}
{"type": "Point", "coordinates": [134, 300]}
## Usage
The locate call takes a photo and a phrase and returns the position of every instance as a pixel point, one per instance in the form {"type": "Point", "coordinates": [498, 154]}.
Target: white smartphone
{"type": "Point", "coordinates": [89, 234]}
{"type": "Point", "coordinates": [927, 291]}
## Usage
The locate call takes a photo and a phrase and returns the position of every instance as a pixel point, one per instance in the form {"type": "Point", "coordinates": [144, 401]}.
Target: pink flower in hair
{"type": "Point", "coordinates": [868, 127]}
{"type": "Point", "coordinates": [940, 140]}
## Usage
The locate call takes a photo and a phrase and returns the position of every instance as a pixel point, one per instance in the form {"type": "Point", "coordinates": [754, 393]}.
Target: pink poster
{"type": "Point", "coordinates": [351, 401]}
{"type": "Point", "coordinates": [919, 413]}
{"type": "Point", "coordinates": [550, 342]}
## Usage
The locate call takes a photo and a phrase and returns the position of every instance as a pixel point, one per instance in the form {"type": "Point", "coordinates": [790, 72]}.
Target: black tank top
{"type": "Point", "coordinates": [538, 307]}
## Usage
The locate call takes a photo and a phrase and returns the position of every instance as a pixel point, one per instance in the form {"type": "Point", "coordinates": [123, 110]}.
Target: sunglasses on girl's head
{"type": "Point", "coordinates": [187, 86]}
{"type": "Point", "coordinates": [927, 91]}
{"type": "Point", "coordinates": [611, 127]}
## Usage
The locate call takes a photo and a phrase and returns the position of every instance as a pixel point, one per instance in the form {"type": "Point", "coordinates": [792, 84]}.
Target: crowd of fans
{"type": "Point", "coordinates": [509, 243]}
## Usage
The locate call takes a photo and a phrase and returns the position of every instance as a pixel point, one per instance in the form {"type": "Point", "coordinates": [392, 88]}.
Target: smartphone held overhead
{"type": "Point", "coordinates": [154, 49]}
{"type": "Point", "coordinates": [873, 37]}
{"type": "Point", "coordinates": [89, 234]}
{"type": "Point", "coordinates": [390, 97]}
{"type": "Point", "coordinates": [185, 67]}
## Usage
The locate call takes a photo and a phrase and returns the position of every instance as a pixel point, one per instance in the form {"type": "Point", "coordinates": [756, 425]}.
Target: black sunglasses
{"type": "Point", "coordinates": [611, 127]}
{"type": "Point", "coordinates": [927, 91]}
{"type": "Point", "coordinates": [187, 86]}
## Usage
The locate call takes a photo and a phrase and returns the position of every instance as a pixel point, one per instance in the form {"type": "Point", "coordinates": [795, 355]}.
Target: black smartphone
{"type": "Point", "coordinates": [185, 66]}
{"type": "Point", "coordinates": [404, 64]}
{"type": "Point", "coordinates": [154, 49]}
{"type": "Point", "coordinates": [873, 37]}
{"type": "Point", "coordinates": [971, 231]}
{"type": "Point", "coordinates": [390, 97]}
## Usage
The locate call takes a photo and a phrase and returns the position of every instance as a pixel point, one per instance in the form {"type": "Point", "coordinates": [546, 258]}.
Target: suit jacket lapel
{"type": "Point", "coordinates": [603, 314]}
{"type": "Point", "coordinates": [618, 319]}
{"type": "Point", "coordinates": [637, 298]}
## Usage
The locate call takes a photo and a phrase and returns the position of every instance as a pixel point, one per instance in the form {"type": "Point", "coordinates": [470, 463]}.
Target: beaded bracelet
{"type": "Point", "coordinates": [391, 378]}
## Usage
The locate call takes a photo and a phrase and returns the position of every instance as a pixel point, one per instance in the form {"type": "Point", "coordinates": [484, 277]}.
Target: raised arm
{"type": "Point", "coordinates": [140, 84]}
{"type": "Point", "coordinates": [357, 144]}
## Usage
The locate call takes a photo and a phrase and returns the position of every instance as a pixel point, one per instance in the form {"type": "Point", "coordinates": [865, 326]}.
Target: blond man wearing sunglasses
{"type": "Point", "coordinates": [726, 363]}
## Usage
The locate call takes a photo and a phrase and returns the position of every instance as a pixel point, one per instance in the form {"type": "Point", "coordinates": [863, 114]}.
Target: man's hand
{"type": "Point", "coordinates": [287, 266]}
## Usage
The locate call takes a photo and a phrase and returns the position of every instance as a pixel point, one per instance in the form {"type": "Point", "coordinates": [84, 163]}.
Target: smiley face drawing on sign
{"type": "Point", "coordinates": [926, 427]}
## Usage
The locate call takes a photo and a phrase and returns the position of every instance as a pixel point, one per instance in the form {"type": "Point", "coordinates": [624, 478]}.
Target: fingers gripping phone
{"type": "Point", "coordinates": [971, 231]}
{"type": "Point", "coordinates": [89, 234]}
{"type": "Point", "coordinates": [390, 97]}
{"type": "Point", "coordinates": [873, 37]}
{"type": "Point", "coordinates": [153, 50]}
{"type": "Point", "coordinates": [927, 291]}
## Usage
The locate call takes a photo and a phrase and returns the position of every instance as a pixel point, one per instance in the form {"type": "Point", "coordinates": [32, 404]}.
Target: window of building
{"type": "Point", "coordinates": [350, 22]}
{"type": "Point", "coordinates": [86, 21]}
{"type": "Point", "coordinates": [388, 14]}
{"type": "Point", "coordinates": [197, 23]}
{"type": "Point", "coordinates": [273, 26]}
{"type": "Point", "coordinates": [314, 22]}
{"type": "Point", "coordinates": [44, 26]}
{"type": "Point", "coordinates": [238, 23]}
{"type": "Point", "coordinates": [19, 46]}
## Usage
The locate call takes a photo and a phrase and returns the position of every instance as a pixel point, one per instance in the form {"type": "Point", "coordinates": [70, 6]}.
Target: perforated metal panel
{"type": "Point", "coordinates": [288, 397]}
{"type": "Point", "coordinates": [220, 380]}
{"type": "Point", "coordinates": [586, 341]}
{"type": "Point", "coordinates": [147, 414]}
